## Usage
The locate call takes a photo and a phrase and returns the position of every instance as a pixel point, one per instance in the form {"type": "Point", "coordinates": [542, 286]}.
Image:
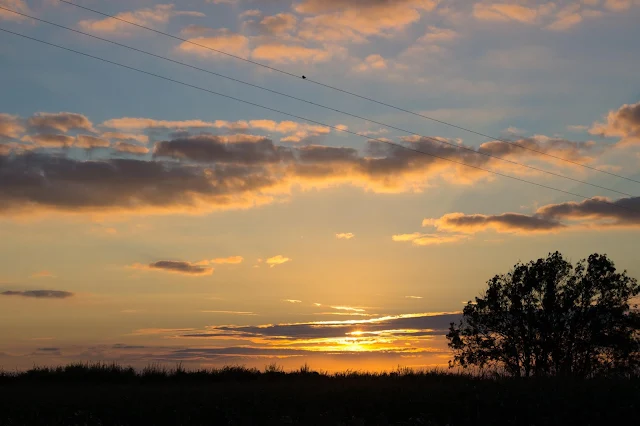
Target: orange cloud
{"type": "Point", "coordinates": [130, 148]}
{"type": "Point", "coordinates": [10, 126]}
{"type": "Point", "coordinates": [232, 260]}
{"type": "Point", "coordinates": [511, 12]}
{"type": "Point", "coordinates": [289, 53]}
{"type": "Point", "coordinates": [277, 260]}
{"type": "Point", "coordinates": [159, 14]}
{"type": "Point", "coordinates": [345, 236]}
{"type": "Point", "coordinates": [17, 5]}
{"type": "Point", "coordinates": [419, 239]}
{"type": "Point", "coordinates": [222, 40]}
{"type": "Point", "coordinates": [131, 123]}
{"type": "Point", "coordinates": [348, 21]}
{"type": "Point", "coordinates": [623, 123]}
{"type": "Point", "coordinates": [61, 122]}
{"type": "Point", "coordinates": [126, 136]}
{"type": "Point", "coordinates": [89, 142]}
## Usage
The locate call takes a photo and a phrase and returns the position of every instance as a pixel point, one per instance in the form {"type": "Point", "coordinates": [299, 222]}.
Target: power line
{"type": "Point", "coordinates": [317, 122]}
{"type": "Point", "coordinates": [305, 78]}
{"type": "Point", "coordinates": [444, 142]}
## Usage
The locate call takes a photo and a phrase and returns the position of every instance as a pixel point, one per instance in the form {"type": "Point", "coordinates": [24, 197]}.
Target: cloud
{"type": "Point", "coordinates": [236, 149]}
{"type": "Point", "coordinates": [393, 333]}
{"type": "Point", "coordinates": [222, 40]}
{"type": "Point", "coordinates": [340, 21]}
{"type": "Point", "coordinates": [413, 297]}
{"type": "Point", "coordinates": [177, 267]}
{"type": "Point", "coordinates": [17, 5]}
{"type": "Point", "coordinates": [372, 62]}
{"type": "Point", "coordinates": [42, 274]}
{"type": "Point", "coordinates": [132, 123]}
{"type": "Point", "coordinates": [345, 236]}
{"type": "Point", "coordinates": [273, 25]}
{"type": "Point", "coordinates": [563, 148]}
{"type": "Point", "coordinates": [61, 122]}
{"type": "Point", "coordinates": [588, 214]}
{"type": "Point", "coordinates": [507, 222]}
{"type": "Point", "coordinates": [511, 12]}
{"type": "Point", "coordinates": [282, 53]}
{"type": "Point", "coordinates": [277, 260]}
{"type": "Point", "coordinates": [91, 142]}
{"type": "Point", "coordinates": [296, 132]}
{"type": "Point", "coordinates": [206, 172]}
{"type": "Point", "coordinates": [126, 137]}
{"type": "Point", "coordinates": [39, 294]}
{"type": "Point", "coordinates": [50, 140]}
{"type": "Point", "coordinates": [623, 123]}
{"type": "Point", "coordinates": [230, 313]}
{"type": "Point", "coordinates": [348, 308]}
{"type": "Point", "coordinates": [292, 301]}
{"type": "Point", "coordinates": [158, 15]}
{"type": "Point", "coordinates": [419, 239]}
{"type": "Point", "coordinates": [231, 260]}
{"type": "Point", "coordinates": [130, 148]}
{"type": "Point", "coordinates": [10, 126]}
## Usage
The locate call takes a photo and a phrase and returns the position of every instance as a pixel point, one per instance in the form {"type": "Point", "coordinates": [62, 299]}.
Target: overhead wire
{"type": "Point", "coordinates": [337, 128]}
{"type": "Point", "coordinates": [367, 98]}
{"type": "Point", "coordinates": [430, 138]}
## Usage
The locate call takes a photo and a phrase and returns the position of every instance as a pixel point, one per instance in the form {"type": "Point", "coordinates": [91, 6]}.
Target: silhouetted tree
{"type": "Point", "coordinates": [547, 317]}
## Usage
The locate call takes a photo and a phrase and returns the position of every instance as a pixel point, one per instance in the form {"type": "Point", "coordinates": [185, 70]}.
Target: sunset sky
{"type": "Point", "coordinates": [146, 221]}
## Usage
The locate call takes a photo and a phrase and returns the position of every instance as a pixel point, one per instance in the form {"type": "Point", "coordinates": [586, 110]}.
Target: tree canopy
{"type": "Point", "coordinates": [548, 317]}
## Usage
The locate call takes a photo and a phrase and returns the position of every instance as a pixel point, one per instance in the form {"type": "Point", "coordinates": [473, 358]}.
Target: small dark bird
{"type": "Point", "coordinates": [304, 77]}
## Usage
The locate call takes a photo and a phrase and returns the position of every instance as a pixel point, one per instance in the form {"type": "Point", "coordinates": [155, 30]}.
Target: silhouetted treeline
{"type": "Point", "coordinates": [109, 395]}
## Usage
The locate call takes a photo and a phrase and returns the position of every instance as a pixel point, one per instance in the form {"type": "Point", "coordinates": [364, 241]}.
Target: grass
{"type": "Point", "coordinates": [109, 394]}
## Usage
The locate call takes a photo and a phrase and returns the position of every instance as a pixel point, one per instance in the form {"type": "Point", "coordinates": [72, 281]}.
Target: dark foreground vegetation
{"type": "Point", "coordinates": [104, 394]}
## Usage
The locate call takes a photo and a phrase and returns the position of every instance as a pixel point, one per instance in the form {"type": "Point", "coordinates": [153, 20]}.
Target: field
{"type": "Point", "coordinates": [113, 395]}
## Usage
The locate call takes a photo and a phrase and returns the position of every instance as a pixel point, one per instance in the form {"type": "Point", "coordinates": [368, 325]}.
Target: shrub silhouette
{"type": "Point", "coordinates": [547, 317]}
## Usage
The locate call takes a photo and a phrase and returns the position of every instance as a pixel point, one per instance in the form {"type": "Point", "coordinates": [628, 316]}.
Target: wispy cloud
{"type": "Point", "coordinates": [345, 236]}
{"type": "Point", "coordinates": [39, 294]}
{"type": "Point", "coordinates": [43, 274]}
{"type": "Point", "coordinates": [277, 260]}
{"type": "Point", "coordinates": [159, 14]}
{"type": "Point", "coordinates": [229, 312]}
{"type": "Point", "coordinates": [177, 267]}
{"type": "Point", "coordinates": [292, 301]}
{"type": "Point", "coordinates": [231, 260]}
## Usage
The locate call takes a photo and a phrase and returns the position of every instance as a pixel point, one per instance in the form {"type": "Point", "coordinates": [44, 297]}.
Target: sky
{"type": "Point", "coordinates": [189, 209]}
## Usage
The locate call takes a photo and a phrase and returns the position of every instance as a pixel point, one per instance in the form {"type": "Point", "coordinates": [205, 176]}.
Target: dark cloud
{"type": "Point", "coordinates": [622, 212]}
{"type": "Point", "coordinates": [47, 181]}
{"type": "Point", "coordinates": [419, 325]}
{"type": "Point", "coordinates": [62, 122]}
{"type": "Point", "coordinates": [575, 151]}
{"type": "Point", "coordinates": [179, 267]}
{"type": "Point", "coordinates": [592, 213]}
{"type": "Point", "coordinates": [507, 222]}
{"type": "Point", "coordinates": [207, 172]}
{"type": "Point", "coordinates": [237, 149]}
{"type": "Point", "coordinates": [39, 294]}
